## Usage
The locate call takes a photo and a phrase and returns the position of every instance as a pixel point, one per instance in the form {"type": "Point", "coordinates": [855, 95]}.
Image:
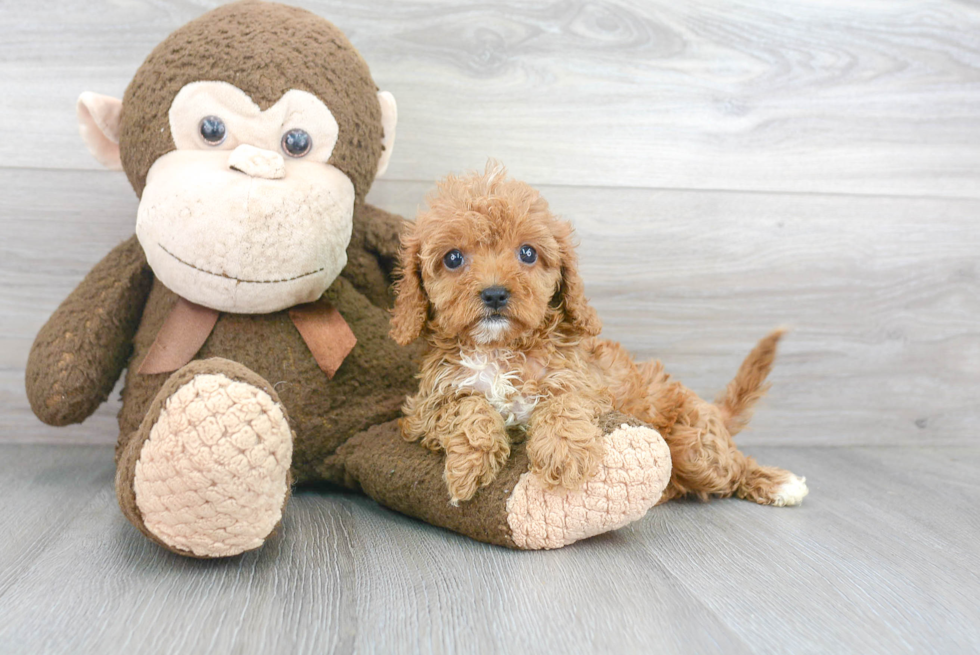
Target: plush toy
{"type": "Point", "coordinates": [250, 307]}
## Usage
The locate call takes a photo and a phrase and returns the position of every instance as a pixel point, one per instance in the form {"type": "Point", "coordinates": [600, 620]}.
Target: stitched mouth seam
{"type": "Point", "coordinates": [228, 277]}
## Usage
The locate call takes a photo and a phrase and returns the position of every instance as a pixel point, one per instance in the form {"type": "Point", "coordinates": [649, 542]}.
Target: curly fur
{"type": "Point", "coordinates": [535, 368]}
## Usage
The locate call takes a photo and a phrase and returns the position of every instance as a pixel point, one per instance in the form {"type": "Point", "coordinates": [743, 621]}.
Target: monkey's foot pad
{"type": "Point", "coordinates": [212, 478]}
{"type": "Point", "coordinates": [634, 473]}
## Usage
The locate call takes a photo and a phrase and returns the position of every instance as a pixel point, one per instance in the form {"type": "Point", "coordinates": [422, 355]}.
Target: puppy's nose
{"type": "Point", "coordinates": [495, 297]}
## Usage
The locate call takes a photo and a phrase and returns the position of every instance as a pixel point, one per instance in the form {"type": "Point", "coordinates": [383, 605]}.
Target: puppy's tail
{"type": "Point", "coordinates": [739, 398]}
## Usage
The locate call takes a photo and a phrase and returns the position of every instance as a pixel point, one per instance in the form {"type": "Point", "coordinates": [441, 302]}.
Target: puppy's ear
{"type": "Point", "coordinates": [411, 304]}
{"type": "Point", "coordinates": [571, 291]}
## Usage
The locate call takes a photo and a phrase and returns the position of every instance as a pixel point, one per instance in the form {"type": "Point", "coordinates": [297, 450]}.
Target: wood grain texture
{"type": "Point", "coordinates": [880, 532]}
{"type": "Point", "coordinates": [882, 294]}
{"type": "Point", "coordinates": [841, 96]}
{"type": "Point", "coordinates": [42, 489]}
{"type": "Point", "coordinates": [863, 566]}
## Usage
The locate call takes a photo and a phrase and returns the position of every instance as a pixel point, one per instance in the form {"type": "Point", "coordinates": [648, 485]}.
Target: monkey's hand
{"type": "Point", "coordinates": [83, 348]}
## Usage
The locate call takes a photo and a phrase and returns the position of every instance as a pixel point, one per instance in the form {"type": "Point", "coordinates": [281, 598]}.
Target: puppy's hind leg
{"type": "Point", "coordinates": [708, 463]}
{"type": "Point", "coordinates": [706, 460]}
{"type": "Point", "coordinates": [765, 485]}
{"type": "Point", "coordinates": [768, 485]}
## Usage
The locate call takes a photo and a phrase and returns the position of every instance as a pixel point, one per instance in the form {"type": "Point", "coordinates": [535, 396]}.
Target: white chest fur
{"type": "Point", "coordinates": [500, 382]}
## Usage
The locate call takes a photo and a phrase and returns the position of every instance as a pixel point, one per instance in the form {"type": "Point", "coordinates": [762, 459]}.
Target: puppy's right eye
{"type": "Point", "coordinates": [528, 254]}
{"type": "Point", "coordinates": [453, 259]}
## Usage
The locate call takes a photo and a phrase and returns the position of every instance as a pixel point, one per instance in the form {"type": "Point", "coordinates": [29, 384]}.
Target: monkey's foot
{"type": "Point", "coordinates": [633, 475]}
{"type": "Point", "coordinates": [207, 475]}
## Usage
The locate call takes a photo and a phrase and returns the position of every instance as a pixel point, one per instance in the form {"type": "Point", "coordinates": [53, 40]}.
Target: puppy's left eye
{"type": "Point", "coordinates": [453, 259]}
{"type": "Point", "coordinates": [528, 254]}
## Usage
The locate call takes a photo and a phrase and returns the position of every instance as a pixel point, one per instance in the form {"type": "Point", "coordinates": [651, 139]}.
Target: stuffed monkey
{"type": "Point", "coordinates": [250, 307]}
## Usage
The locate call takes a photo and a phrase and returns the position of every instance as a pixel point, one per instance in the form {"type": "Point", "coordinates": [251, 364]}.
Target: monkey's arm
{"type": "Point", "coordinates": [83, 348]}
{"type": "Point", "coordinates": [373, 252]}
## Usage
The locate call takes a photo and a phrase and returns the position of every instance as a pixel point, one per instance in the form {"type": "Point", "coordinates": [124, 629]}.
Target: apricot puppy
{"type": "Point", "coordinates": [489, 278]}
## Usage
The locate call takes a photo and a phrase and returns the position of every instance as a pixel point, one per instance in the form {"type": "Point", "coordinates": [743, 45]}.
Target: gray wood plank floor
{"type": "Point", "coordinates": [881, 558]}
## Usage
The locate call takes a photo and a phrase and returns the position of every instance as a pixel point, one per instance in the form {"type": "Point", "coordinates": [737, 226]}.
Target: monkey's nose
{"type": "Point", "coordinates": [495, 297]}
{"type": "Point", "coordinates": [256, 162]}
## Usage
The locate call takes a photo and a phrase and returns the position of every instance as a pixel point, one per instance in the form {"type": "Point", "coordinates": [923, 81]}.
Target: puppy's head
{"type": "Point", "coordinates": [487, 263]}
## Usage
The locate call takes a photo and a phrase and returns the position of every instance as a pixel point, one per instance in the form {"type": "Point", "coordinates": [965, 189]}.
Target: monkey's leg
{"type": "Point", "coordinates": [516, 510]}
{"type": "Point", "coordinates": [207, 472]}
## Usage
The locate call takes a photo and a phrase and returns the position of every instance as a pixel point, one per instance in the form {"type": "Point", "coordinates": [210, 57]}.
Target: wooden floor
{"type": "Point", "coordinates": [881, 558]}
{"type": "Point", "coordinates": [730, 166]}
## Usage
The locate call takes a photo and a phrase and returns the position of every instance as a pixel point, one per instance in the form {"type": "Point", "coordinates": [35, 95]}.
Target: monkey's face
{"type": "Point", "coordinates": [246, 215]}
{"type": "Point", "coordinates": [250, 134]}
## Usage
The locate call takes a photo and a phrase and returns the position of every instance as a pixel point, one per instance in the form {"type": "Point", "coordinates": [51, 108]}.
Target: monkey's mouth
{"type": "Point", "coordinates": [238, 279]}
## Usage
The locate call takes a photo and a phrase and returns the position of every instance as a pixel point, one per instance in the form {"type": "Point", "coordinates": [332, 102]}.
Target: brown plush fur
{"type": "Point", "coordinates": [110, 320]}
{"type": "Point", "coordinates": [547, 354]}
{"type": "Point", "coordinates": [368, 389]}
{"type": "Point", "coordinates": [79, 354]}
{"type": "Point", "coordinates": [289, 48]}
{"type": "Point", "coordinates": [401, 475]}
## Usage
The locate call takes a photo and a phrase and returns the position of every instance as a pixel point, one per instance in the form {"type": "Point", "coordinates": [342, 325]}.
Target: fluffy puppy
{"type": "Point", "coordinates": [489, 278]}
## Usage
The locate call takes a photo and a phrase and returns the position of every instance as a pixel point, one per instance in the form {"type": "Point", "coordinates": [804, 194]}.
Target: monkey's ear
{"type": "Point", "coordinates": [389, 117]}
{"type": "Point", "coordinates": [571, 290]}
{"type": "Point", "coordinates": [411, 304]}
{"type": "Point", "coordinates": [98, 123]}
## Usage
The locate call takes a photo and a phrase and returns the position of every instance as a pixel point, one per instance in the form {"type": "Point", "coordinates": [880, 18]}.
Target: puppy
{"type": "Point", "coordinates": [488, 276]}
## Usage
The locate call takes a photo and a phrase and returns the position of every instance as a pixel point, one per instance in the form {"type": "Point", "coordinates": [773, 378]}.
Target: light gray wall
{"type": "Point", "coordinates": [730, 167]}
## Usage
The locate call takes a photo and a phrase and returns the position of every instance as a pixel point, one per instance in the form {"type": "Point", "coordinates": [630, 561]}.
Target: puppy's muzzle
{"type": "Point", "coordinates": [495, 298]}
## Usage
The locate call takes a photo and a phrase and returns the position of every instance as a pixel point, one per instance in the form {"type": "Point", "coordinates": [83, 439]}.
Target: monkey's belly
{"type": "Point", "coordinates": [368, 389]}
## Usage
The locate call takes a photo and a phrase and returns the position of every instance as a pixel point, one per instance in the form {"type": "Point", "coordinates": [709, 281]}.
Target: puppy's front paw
{"type": "Point", "coordinates": [470, 467]}
{"type": "Point", "coordinates": [567, 459]}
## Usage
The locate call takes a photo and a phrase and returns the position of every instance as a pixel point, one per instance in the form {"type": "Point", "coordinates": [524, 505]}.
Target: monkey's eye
{"type": "Point", "coordinates": [296, 143]}
{"type": "Point", "coordinates": [212, 130]}
{"type": "Point", "coordinates": [527, 254]}
{"type": "Point", "coordinates": [453, 259]}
